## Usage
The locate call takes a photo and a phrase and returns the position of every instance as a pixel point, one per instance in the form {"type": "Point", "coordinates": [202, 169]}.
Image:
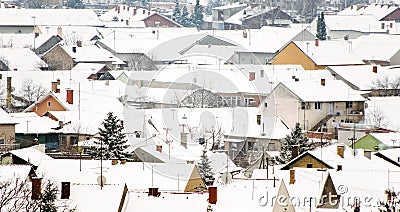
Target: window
{"type": "Point", "coordinates": [318, 106]}
{"type": "Point", "coordinates": [258, 119]}
{"type": "Point", "coordinates": [303, 105]}
{"type": "Point", "coordinates": [309, 165]}
{"type": "Point", "coordinates": [349, 104]}
{"type": "Point", "coordinates": [265, 104]}
{"type": "Point", "coordinates": [48, 104]}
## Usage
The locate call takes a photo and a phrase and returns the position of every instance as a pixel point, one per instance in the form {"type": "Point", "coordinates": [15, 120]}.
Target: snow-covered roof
{"type": "Point", "coordinates": [91, 53]}
{"type": "Point", "coordinates": [30, 61]}
{"type": "Point", "coordinates": [125, 12]}
{"type": "Point", "coordinates": [89, 67]}
{"type": "Point", "coordinates": [8, 172]}
{"type": "Point", "coordinates": [389, 139]}
{"type": "Point", "coordinates": [6, 118]}
{"type": "Point", "coordinates": [31, 123]}
{"type": "Point", "coordinates": [271, 39]}
{"type": "Point", "coordinates": [29, 17]}
{"type": "Point", "coordinates": [332, 52]}
{"type": "Point", "coordinates": [360, 23]}
{"type": "Point", "coordinates": [32, 155]}
{"type": "Point", "coordinates": [230, 6]}
{"type": "Point", "coordinates": [378, 11]}
{"type": "Point", "coordinates": [352, 74]}
{"type": "Point", "coordinates": [312, 91]}
{"type": "Point", "coordinates": [379, 47]}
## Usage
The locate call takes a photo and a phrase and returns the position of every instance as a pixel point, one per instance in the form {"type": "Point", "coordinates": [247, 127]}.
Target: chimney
{"type": "Point", "coordinates": [296, 79]}
{"type": "Point", "coordinates": [123, 161]}
{"type": "Point", "coordinates": [58, 81]}
{"type": "Point", "coordinates": [154, 192]}
{"type": "Point", "coordinates": [323, 82]}
{"type": "Point", "coordinates": [127, 22]}
{"type": "Point", "coordinates": [54, 87]}
{"type": "Point", "coordinates": [244, 34]}
{"type": "Point", "coordinates": [118, 9]}
{"type": "Point", "coordinates": [295, 151]}
{"type": "Point", "coordinates": [375, 69]}
{"type": "Point", "coordinates": [212, 194]}
{"type": "Point", "coordinates": [70, 96]}
{"type": "Point", "coordinates": [65, 190]}
{"type": "Point", "coordinates": [59, 31]}
{"type": "Point", "coordinates": [144, 11]}
{"type": "Point", "coordinates": [114, 161]}
{"type": "Point", "coordinates": [36, 187]}
{"type": "Point", "coordinates": [9, 88]}
{"type": "Point", "coordinates": [79, 43]}
{"type": "Point", "coordinates": [316, 41]}
{"type": "Point", "coordinates": [148, 13]}
{"type": "Point", "coordinates": [74, 49]}
{"type": "Point", "coordinates": [134, 11]}
{"type": "Point", "coordinates": [292, 175]}
{"type": "Point", "coordinates": [159, 148]}
{"type": "Point", "coordinates": [367, 153]}
{"type": "Point", "coordinates": [252, 76]}
{"type": "Point", "coordinates": [293, 77]}
{"type": "Point", "coordinates": [340, 150]}
{"type": "Point", "coordinates": [184, 139]}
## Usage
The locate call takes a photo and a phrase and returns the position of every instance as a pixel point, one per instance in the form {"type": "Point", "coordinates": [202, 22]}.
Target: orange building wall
{"type": "Point", "coordinates": [291, 54]}
{"type": "Point", "coordinates": [43, 107]}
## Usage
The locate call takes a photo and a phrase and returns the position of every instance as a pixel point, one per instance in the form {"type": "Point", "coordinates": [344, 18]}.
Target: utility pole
{"type": "Point", "coordinates": [168, 142]}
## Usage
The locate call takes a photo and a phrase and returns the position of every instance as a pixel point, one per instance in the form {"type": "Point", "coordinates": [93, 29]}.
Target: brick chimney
{"type": "Point", "coordinates": [134, 11]}
{"type": "Point", "coordinates": [295, 151]}
{"type": "Point", "coordinates": [144, 11]}
{"type": "Point", "coordinates": [375, 69]}
{"type": "Point", "coordinates": [154, 192]}
{"type": "Point", "coordinates": [70, 96]}
{"type": "Point", "coordinates": [212, 194]}
{"type": "Point", "coordinates": [159, 148]}
{"type": "Point", "coordinates": [292, 176]}
{"type": "Point", "coordinates": [74, 49]}
{"type": "Point", "coordinates": [340, 150]}
{"type": "Point", "coordinates": [323, 82]}
{"type": "Point", "coordinates": [65, 190]}
{"type": "Point", "coordinates": [316, 41]}
{"type": "Point", "coordinates": [252, 76]}
{"type": "Point", "coordinates": [79, 43]}
{"type": "Point", "coordinates": [54, 87]}
{"type": "Point", "coordinates": [36, 187]}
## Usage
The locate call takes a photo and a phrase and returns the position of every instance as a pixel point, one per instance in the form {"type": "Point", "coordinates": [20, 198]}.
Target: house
{"type": "Point", "coordinates": [267, 17]}
{"type": "Point", "coordinates": [97, 69]}
{"type": "Point", "coordinates": [378, 49]}
{"type": "Point", "coordinates": [222, 13]}
{"type": "Point", "coordinates": [33, 156]}
{"type": "Point", "coordinates": [316, 105]}
{"type": "Point", "coordinates": [10, 60]}
{"type": "Point", "coordinates": [317, 55]}
{"type": "Point", "coordinates": [127, 16]}
{"type": "Point", "coordinates": [265, 43]}
{"type": "Point", "coordinates": [66, 57]}
{"type": "Point", "coordinates": [48, 44]}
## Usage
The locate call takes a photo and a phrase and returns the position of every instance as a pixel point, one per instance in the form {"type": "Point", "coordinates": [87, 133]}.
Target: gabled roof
{"type": "Point", "coordinates": [31, 155]}
{"type": "Point", "coordinates": [41, 99]}
{"type": "Point", "coordinates": [329, 52]}
{"type": "Point", "coordinates": [31, 61]}
{"type": "Point", "coordinates": [91, 53]}
{"type": "Point", "coordinates": [313, 91]}
{"type": "Point", "coordinates": [301, 156]}
{"type": "Point", "coordinates": [376, 47]}
{"type": "Point", "coordinates": [378, 11]}
{"type": "Point", "coordinates": [6, 118]}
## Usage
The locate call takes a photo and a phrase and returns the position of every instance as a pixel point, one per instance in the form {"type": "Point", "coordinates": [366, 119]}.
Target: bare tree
{"type": "Point", "coordinates": [395, 86]}
{"type": "Point", "coordinates": [32, 91]}
{"type": "Point", "coordinates": [137, 61]}
{"type": "Point", "coordinates": [71, 38]}
{"type": "Point", "coordinates": [377, 118]}
{"type": "Point", "coordinates": [216, 136]}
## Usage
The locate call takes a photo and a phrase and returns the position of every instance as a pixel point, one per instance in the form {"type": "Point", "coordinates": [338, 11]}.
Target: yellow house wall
{"type": "Point", "coordinates": [302, 163]}
{"type": "Point", "coordinates": [195, 182]}
{"type": "Point", "coordinates": [293, 55]}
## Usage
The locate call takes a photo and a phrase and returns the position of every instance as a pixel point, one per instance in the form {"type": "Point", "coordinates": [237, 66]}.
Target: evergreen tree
{"type": "Point", "coordinates": [197, 15]}
{"type": "Point", "coordinates": [112, 139]}
{"type": "Point", "coordinates": [205, 169]}
{"type": "Point", "coordinates": [211, 4]}
{"type": "Point", "coordinates": [321, 28]}
{"type": "Point", "coordinates": [48, 198]}
{"type": "Point", "coordinates": [296, 137]}
{"type": "Point", "coordinates": [177, 16]}
{"type": "Point", "coordinates": [185, 19]}
{"type": "Point", "coordinates": [76, 4]}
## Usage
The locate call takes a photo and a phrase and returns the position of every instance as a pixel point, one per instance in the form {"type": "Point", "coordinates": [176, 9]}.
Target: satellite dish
{"type": "Point", "coordinates": [99, 180]}
{"type": "Point", "coordinates": [226, 177]}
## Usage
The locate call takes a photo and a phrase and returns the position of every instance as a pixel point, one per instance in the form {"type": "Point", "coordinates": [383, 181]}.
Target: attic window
{"type": "Point", "coordinates": [48, 104]}
{"type": "Point", "coordinates": [309, 165]}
